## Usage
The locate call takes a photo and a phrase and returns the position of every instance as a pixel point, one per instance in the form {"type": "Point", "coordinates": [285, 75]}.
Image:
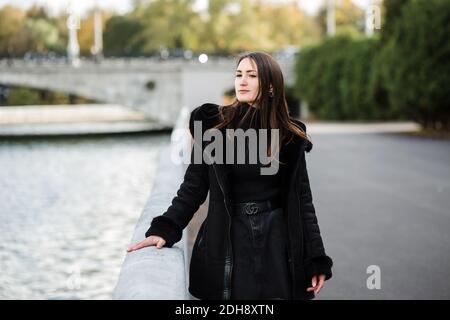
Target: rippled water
{"type": "Point", "coordinates": [68, 208]}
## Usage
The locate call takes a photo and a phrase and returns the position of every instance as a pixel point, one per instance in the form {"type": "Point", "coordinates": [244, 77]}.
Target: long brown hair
{"type": "Point", "coordinates": [273, 110]}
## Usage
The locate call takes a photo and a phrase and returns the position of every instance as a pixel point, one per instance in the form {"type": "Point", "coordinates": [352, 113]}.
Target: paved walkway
{"type": "Point", "coordinates": [382, 199]}
{"type": "Point", "coordinates": [360, 127]}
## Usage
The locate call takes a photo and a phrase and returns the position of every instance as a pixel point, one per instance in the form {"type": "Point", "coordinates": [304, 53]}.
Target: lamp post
{"type": "Point", "coordinates": [331, 19]}
{"type": "Point", "coordinates": [73, 49]}
{"type": "Point", "coordinates": [97, 48]}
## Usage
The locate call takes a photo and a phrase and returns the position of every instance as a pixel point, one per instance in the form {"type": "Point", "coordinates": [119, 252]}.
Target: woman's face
{"type": "Point", "coordinates": [246, 81]}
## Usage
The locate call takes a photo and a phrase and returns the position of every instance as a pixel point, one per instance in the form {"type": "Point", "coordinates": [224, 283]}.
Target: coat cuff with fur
{"type": "Point", "coordinates": [319, 265]}
{"type": "Point", "coordinates": [165, 228]}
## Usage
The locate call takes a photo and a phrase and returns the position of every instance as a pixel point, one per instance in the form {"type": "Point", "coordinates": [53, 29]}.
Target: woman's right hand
{"type": "Point", "coordinates": [147, 242]}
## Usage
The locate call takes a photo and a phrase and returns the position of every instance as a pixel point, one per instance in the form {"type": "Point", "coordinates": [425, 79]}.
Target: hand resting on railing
{"type": "Point", "coordinates": [148, 242]}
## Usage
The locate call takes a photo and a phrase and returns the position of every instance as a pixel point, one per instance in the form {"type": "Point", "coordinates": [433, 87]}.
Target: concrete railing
{"type": "Point", "coordinates": [152, 273]}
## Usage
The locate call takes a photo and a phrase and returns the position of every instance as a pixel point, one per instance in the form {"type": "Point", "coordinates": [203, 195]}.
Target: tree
{"type": "Point", "coordinates": [416, 62]}
{"type": "Point", "coordinates": [43, 33]}
{"type": "Point", "coordinates": [170, 24]}
{"type": "Point", "coordinates": [392, 14]}
{"type": "Point", "coordinates": [120, 36]}
{"type": "Point", "coordinates": [11, 31]}
{"type": "Point", "coordinates": [349, 18]}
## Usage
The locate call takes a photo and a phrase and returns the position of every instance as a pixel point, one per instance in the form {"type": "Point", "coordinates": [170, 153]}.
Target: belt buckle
{"type": "Point", "coordinates": [251, 208]}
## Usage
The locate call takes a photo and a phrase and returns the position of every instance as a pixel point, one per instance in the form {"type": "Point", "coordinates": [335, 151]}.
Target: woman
{"type": "Point", "coordinates": [260, 239]}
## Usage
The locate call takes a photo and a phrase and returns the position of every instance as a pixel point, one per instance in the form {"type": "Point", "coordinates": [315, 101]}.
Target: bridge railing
{"type": "Point", "coordinates": [110, 61]}
{"type": "Point", "coordinates": [152, 273]}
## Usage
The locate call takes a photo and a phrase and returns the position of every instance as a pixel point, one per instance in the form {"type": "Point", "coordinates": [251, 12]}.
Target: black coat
{"type": "Point", "coordinates": [211, 261]}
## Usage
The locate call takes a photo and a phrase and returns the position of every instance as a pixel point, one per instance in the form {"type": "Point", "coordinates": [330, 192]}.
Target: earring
{"type": "Point", "coordinates": [271, 93]}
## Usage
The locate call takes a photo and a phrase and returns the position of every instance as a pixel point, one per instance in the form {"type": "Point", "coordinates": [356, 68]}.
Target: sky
{"type": "Point", "coordinates": [122, 6]}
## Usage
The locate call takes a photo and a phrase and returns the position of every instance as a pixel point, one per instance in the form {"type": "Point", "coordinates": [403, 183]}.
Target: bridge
{"type": "Point", "coordinates": [158, 88]}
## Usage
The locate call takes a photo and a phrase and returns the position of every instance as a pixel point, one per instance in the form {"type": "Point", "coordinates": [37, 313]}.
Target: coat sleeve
{"type": "Point", "coordinates": [316, 261]}
{"type": "Point", "coordinates": [190, 195]}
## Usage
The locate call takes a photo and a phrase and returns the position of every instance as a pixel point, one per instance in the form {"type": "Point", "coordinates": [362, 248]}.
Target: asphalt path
{"type": "Point", "coordinates": [383, 204]}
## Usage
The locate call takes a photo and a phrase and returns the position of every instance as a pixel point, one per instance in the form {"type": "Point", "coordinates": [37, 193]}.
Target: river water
{"type": "Point", "coordinates": [68, 207]}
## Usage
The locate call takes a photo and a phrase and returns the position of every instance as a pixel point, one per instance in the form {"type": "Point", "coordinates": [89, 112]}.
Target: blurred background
{"type": "Point", "coordinates": [90, 91]}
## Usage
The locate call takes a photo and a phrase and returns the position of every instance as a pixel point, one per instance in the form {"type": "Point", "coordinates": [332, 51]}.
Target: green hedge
{"type": "Point", "coordinates": [406, 75]}
{"type": "Point", "coordinates": [333, 78]}
{"type": "Point", "coordinates": [417, 63]}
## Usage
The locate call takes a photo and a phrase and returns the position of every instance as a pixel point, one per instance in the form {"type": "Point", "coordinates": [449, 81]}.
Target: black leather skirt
{"type": "Point", "coordinates": [260, 256]}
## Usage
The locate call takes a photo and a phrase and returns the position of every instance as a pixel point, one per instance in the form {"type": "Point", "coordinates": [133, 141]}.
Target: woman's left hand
{"type": "Point", "coordinates": [317, 283]}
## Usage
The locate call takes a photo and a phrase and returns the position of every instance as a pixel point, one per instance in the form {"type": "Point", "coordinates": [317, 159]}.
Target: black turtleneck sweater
{"type": "Point", "coordinates": [248, 184]}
